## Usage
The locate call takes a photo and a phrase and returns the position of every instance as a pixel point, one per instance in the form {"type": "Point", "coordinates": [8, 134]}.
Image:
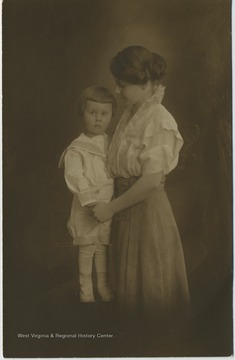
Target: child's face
{"type": "Point", "coordinates": [97, 117]}
{"type": "Point", "coordinates": [133, 94]}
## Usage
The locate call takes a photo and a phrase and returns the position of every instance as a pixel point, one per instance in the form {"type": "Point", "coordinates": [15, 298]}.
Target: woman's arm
{"type": "Point", "coordinates": [137, 193]}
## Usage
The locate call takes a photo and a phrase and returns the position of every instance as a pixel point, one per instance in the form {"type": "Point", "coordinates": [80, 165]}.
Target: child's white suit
{"type": "Point", "coordinates": [87, 178]}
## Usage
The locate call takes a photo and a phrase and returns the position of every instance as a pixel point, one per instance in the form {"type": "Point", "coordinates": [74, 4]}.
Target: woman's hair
{"type": "Point", "coordinates": [98, 94]}
{"type": "Point", "coordinates": [137, 65]}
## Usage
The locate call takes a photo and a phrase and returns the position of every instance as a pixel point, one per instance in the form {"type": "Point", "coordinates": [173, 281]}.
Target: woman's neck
{"type": "Point", "coordinates": [148, 91]}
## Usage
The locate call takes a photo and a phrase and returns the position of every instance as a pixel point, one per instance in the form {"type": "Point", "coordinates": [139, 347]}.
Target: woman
{"type": "Point", "coordinates": [148, 258]}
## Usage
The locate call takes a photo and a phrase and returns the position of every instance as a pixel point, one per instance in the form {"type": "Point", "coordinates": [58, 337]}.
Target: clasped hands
{"type": "Point", "coordinates": [101, 211]}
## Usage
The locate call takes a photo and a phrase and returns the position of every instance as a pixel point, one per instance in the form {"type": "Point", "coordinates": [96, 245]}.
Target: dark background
{"type": "Point", "coordinates": [52, 49]}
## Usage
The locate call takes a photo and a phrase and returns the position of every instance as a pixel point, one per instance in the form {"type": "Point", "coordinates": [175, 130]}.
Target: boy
{"type": "Point", "coordinates": [87, 178]}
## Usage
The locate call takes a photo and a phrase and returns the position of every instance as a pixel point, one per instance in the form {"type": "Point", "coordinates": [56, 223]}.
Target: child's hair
{"type": "Point", "coordinates": [96, 93]}
{"type": "Point", "coordinates": [136, 65]}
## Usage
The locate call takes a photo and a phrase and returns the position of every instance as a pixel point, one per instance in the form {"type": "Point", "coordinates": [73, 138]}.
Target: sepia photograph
{"type": "Point", "coordinates": [117, 178]}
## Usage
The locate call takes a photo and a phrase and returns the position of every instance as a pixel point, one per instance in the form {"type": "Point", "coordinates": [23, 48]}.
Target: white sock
{"type": "Point", "coordinates": [85, 259]}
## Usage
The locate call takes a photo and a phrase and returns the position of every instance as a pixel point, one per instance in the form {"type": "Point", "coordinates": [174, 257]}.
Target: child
{"type": "Point", "coordinates": [151, 277]}
{"type": "Point", "coordinates": [87, 178]}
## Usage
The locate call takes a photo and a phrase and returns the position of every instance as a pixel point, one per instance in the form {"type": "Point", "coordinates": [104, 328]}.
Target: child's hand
{"type": "Point", "coordinates": [102, 212]}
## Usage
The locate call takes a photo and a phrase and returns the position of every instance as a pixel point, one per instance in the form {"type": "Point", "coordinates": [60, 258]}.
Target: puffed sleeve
{"type": "Point", "coordinates": [161, 144]}
{"type": "Point", "coordinates": [74, 177]}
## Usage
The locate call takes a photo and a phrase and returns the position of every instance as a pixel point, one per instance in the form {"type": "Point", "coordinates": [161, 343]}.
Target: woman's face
{"type": "Point", "coordinates": [133, 94]}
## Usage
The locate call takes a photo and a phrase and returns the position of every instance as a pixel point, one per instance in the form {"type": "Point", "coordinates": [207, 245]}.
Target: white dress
{"type": "Point", "coordinates": [87, 178]}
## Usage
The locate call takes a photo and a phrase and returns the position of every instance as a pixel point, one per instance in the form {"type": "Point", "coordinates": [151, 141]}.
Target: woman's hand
{"type": "Point", "coordinates": [102, 212]}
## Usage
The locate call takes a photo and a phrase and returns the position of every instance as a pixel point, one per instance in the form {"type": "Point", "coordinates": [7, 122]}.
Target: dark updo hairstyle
{"type": "Point", "coordinates": [98, 94]}
{"type": "Point", "coordinates": [136, 65]}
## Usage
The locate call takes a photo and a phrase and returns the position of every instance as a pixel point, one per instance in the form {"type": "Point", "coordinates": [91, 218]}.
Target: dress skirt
{"type": "Point", "coordinates": [149, 268]}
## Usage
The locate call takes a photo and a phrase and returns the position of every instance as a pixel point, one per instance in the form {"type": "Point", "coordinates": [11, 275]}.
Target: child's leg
{"type": "Point", "coordinates": [101, 267]}
{"type": "Point", "coordinates": [85, 259]}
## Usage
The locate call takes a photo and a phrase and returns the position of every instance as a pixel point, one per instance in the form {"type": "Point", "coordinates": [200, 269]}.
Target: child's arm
{"type": "Point", "coordinates": [75, 179]}
{"type": "Point", "coordinates": [137, 193]}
